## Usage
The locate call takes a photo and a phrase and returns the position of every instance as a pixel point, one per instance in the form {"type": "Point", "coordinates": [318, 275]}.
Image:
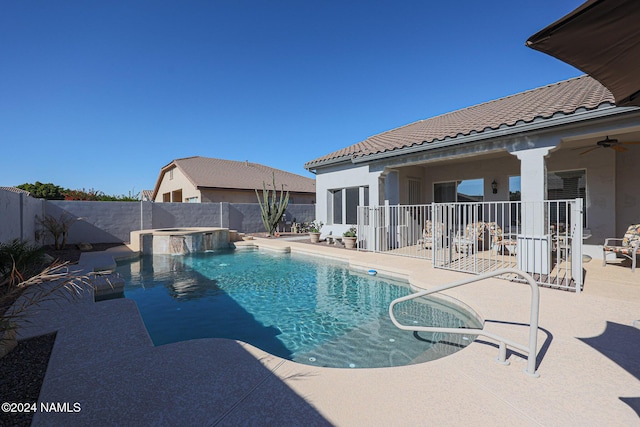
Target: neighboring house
{"type": "Point", "coordinates": [146, 195]}
{"type": "Point", "coordinates": [204, 179]}
{"type": "Point", "coordinates": [531, 146]}
{"type": "Point", "coordinates": [16, 190]}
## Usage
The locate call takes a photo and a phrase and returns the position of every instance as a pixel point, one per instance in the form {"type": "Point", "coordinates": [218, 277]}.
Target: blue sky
{"type": "Point", "coordinates": [102, 94]}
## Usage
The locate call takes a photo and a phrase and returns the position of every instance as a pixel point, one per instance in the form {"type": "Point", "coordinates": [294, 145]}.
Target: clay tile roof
{"type": "Point", "coordinates": [207, 172]}
{"type": "Point", "coordinates": [15, 190]}
{"type": "Point", "coordinates": [564, 97]}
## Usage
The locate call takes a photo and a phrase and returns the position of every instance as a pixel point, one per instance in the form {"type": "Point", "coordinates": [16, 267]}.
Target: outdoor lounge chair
{"type": "Point", "coordinates": [629, 246]}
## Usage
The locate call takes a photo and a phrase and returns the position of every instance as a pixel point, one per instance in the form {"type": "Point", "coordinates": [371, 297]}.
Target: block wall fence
{"type": "Point", "coordinates": [111, 222]}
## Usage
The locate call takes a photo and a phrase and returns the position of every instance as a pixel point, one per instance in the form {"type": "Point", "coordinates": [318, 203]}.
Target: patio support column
{"type": "Point", "coordinates": [392, 187]}
{"type": "Point", "coordinates": [533, 188]}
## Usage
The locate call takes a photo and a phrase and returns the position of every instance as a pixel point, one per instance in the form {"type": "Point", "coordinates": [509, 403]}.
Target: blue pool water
{"type": "Point", "coordinates": [305, 309]}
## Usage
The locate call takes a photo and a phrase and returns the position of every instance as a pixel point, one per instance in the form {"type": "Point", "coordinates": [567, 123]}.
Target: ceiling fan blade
{"type": "Point", "coordinates": [589, 150]}
{"type": "Point", "coordinates": [619, 148]}
{"type": "Point", "coordinates": [632, 142]}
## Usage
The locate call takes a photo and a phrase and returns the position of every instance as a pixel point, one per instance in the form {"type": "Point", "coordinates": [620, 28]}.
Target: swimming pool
{"type": "Point", "coordinates": [306, 309]}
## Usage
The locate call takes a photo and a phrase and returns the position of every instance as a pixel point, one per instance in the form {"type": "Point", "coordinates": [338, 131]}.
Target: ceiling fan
{"type": "Point", "coordinates": [614, 144]}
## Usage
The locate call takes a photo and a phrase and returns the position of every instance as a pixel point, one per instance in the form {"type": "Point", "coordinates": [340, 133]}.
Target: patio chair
{"type": "Point", "coordinates": [427, 234]}
{"type": "Point", "coordinates": [629, 246]}
{"type": "Point", "coordinates": [476, 235]}
{"type": "Point", "coordinates": [500, 243]}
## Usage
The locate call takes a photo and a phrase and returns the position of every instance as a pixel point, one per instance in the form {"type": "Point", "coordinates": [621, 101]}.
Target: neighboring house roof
{"type": "Point", "coordinates": [147, 194]}
{"type": "Point", "coordinates": [565, 98]}
{"type": "Point", "coordinates": [207, 172]}
{"type": "Point", "coordinates": [16, 190]}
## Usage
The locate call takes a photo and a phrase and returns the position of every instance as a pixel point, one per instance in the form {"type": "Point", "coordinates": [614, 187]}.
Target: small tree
{"type": "Point", "coordinates": [57, 227]}
{"type": "Point", "coordinates": [272, 208]}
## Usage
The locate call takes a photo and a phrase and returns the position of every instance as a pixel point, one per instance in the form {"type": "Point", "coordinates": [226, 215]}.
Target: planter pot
{"type": "Point", "coordinates": [349, 242]}
{"type": "Point", "coordinates": [315, 237]}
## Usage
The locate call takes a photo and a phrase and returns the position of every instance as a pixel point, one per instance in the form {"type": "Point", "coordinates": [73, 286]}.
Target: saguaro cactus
{"type": "Point", "coordinates": [271, 207]}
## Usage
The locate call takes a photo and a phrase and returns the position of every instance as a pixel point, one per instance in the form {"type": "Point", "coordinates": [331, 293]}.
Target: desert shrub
{"type": "Point", "coordinates": [22, 256]}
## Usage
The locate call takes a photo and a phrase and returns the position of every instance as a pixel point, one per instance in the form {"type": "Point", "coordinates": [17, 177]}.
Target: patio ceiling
{"type": "Point", "coordinates": [627, 135]}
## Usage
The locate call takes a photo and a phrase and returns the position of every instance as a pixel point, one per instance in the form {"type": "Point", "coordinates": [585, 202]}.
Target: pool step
{"type": "Point", "coordinates": [391, 347]}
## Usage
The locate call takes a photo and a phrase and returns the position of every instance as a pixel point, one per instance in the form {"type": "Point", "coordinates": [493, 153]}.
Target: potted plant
{"type": "Point", "coordinates": [314, 231]}
{"type": "Point", "coordinates": [349, 238]}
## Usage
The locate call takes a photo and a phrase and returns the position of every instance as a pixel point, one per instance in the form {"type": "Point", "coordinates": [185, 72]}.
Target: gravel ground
{"type": "Point", "coordinates": [21, 375]}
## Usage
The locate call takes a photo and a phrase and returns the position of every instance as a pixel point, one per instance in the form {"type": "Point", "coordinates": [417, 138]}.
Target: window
{"type": "Point", "coordinates": [470, 190]}
{"type": "Point", "coordinates": [191, 199]}
{"type": "Point", "coordinates": [514, 189]}
{"type": "Point", "coordinates": [444, 192]}
{"type": "Point", "coordinates": [342, 204]}
{"type": "Point", "coordinates": [337, 207]}
{"type": "Point", "coordinates": [568, 185]}
{"type": "Point", "coordinates": [353, 198]}
{"type": "Point", "coordinates": [171, 173]}
{"type": "Point", "coordinates": [166, 197]}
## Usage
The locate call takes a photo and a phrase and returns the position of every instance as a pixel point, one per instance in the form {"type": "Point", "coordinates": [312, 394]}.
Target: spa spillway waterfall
{"type": "Point", "coordinates": [181, 241]}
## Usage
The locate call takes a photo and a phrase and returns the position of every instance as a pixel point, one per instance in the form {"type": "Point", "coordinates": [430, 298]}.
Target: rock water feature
{"type": "Point", "coordinates": [177, 245]}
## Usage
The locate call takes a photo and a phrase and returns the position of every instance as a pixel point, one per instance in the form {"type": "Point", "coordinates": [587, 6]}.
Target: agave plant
{"type": "Point", "coordinates": [272, 208]}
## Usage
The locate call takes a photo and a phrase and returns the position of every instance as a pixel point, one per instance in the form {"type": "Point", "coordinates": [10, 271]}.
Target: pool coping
{"type": "Point", "coordinates": [585, 377]}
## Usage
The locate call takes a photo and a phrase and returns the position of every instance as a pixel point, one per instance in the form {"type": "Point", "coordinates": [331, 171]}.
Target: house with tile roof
{"type": "Point", "coordinates": [204, 179]}
{"type": "Point", "coordinates": [562, 141]}
{"type": "Point", "coordinates": [16, 190]}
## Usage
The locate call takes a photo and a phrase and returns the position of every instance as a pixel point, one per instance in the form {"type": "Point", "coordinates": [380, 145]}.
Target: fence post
{"type": "Point", "coordinates": [576, 244]}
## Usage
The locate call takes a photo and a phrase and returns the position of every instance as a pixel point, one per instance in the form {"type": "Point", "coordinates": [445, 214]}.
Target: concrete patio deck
{"type": "Point", "coordinates": [588, 361]}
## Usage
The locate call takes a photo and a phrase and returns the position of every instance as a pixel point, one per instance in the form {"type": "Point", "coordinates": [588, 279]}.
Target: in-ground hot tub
{"type": "Point", "coordinates": [180, 241]}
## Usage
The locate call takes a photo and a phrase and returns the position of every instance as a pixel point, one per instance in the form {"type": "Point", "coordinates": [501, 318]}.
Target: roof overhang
{"type": "Point", "coordinates": [601, 38]}
{"type": "Point", "coordinates": [538, 125]}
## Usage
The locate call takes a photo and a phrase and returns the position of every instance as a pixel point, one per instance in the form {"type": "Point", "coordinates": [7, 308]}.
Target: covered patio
{"type": "Point", "coordinates": [541, 238]}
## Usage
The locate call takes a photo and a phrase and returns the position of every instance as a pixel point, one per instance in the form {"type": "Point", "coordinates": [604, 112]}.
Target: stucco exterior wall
{"type": "Point", "coordinates": [627, 202]}
{"type": "Point", "coordinates": [249, 196]}
{"type": "Point", "coordinates": [343, 177]}
{"type": "Point", "coordinates": [179, 182]}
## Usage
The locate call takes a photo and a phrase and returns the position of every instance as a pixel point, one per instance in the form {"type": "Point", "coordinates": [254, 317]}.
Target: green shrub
{"type": "Point", "coordinates": [21, 256]}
